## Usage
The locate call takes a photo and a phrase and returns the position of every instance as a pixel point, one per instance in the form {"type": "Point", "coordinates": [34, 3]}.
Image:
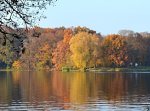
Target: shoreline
{"type": "Point", "coordinates": [103, 69]}
{"type": "Point", "coordinates": [146, 69]}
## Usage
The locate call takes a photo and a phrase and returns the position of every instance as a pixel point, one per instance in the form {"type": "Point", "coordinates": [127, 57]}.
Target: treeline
{"type": "Point", "coordinates": [77, 48]}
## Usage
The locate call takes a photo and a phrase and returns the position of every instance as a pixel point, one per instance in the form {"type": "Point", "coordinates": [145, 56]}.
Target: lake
{"type": "Point", "coordinates": [74, 91]}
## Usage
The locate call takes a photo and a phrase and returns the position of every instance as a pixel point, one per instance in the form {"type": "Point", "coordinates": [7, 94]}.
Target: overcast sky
{"type": "Point", "coordinates": [105, 16]}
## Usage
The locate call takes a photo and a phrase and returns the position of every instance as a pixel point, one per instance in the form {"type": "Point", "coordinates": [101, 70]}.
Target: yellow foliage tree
{"type": "Point", "coordinates": [84, 47]}
{"type": "Point", "coordinates": [16, 65]}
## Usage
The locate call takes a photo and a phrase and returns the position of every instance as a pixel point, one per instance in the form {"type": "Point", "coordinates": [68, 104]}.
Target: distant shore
{"type": "Point", "coordinates": [102, 69]}
{"type": "Point", "coordinates": [110, 69]}
{"type": "Point", "coordinates": [138, 69]}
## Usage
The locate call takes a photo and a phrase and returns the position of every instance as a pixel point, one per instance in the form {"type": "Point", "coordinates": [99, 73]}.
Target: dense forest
{"type": "Point", "coordinates": [75, 47]}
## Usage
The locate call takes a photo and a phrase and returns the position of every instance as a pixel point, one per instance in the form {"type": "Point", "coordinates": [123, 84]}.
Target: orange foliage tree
{"type": "Point", "coordinates": [115, 50]}
{"type": "Point", "coordinates": [33, 45]}
{"type": "Point", "coordinates": [61, 54]}
{"type": "Point", "coordinates": [44, 57]}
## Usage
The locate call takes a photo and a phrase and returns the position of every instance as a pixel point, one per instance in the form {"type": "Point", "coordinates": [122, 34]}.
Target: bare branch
{"type": "Point", "coordinates": [20, 13]}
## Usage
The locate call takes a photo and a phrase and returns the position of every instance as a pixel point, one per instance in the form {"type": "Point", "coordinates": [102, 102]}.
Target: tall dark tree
{"type": "Point", "coordinates": [16, 13]}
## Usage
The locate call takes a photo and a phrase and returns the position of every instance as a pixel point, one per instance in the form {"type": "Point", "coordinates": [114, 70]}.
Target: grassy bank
{"type": "Point", "coordinates": [130, 69]}
{"type": "Point", "coordinates": [109, 69]}
{"type": "Point", "coordinates": [102, 69]}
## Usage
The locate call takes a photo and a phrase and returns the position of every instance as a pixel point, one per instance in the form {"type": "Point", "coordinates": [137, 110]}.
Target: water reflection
{"type": "Point", "coordinates": [74, 91]}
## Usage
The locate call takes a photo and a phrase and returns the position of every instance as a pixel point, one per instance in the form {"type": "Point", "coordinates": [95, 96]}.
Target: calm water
{"type": "Point", "coordinates": [47, 91]}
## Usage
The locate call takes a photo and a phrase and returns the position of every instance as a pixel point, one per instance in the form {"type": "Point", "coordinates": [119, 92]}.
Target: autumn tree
{"type": "Point", "coordinates": [44, 57]}
{"type": "Point", "coordinates": [115, 50]}
{"type": "Point", "coordinates": [33, 46]}
{"type": "Point", "coordinates": [83, 29]}
{"type": "Point", "coordinates": [147, 43]}
{"type": "Point", "coordinates": [7, 55]}
{"type": "Point", "coordinates": [15, 13]}
{"type": "Point", "coordinates": [16, 65]}
{"type": "Point", "coordinates": [139, 49]}
{"type": "Point", "coordinates": [61, 54]}
{"type": "Point", "coordinates": [84, 47]}
{"type": "Point", "coordinates": [126, 33]}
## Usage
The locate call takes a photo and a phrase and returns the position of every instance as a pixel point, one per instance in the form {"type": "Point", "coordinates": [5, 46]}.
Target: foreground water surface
{"type": "Point", "coordinates": [57, 91]}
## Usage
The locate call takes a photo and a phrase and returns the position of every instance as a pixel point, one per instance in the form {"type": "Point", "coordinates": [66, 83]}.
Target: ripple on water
{"type": "Point", "coordinates": [71, 92]}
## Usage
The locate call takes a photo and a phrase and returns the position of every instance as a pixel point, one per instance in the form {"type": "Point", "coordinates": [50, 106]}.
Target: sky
{"type": "Point", "coordinates": [104, 16]}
